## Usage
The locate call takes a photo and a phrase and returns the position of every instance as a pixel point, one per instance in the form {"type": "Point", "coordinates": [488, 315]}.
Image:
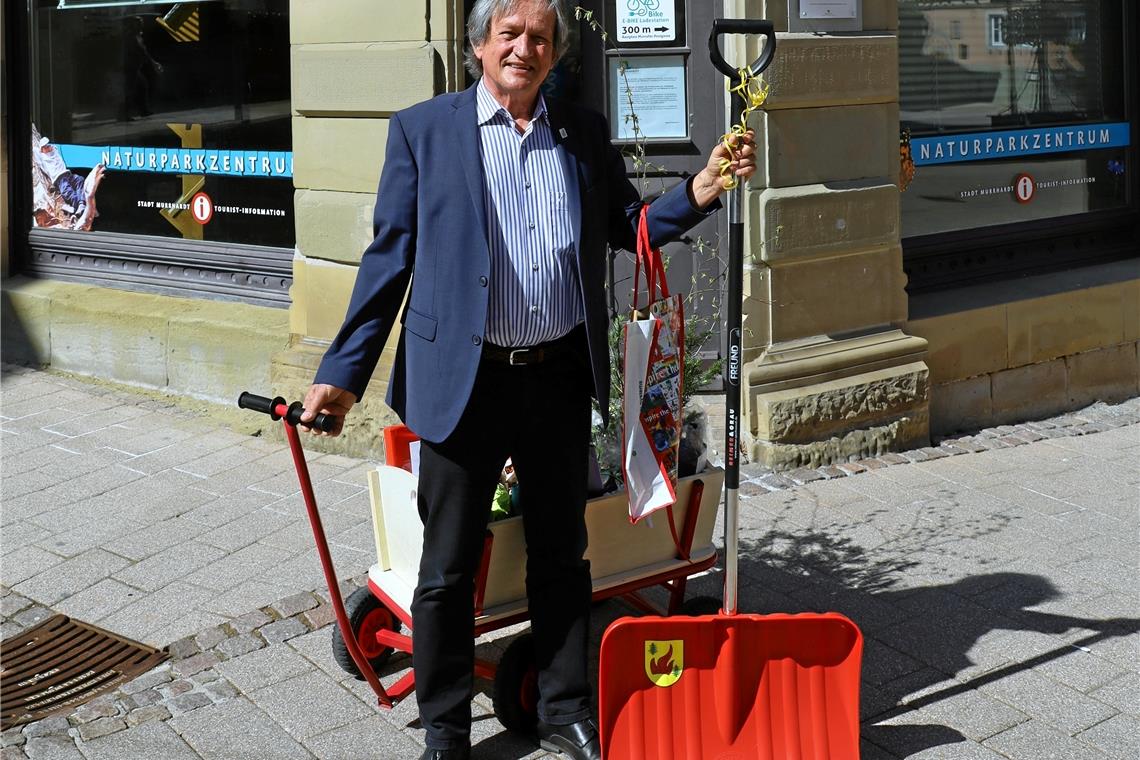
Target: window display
{"type": "Point", "coordinates": [1015, 110]}
{"type": "Point", "coordinates": [169, 119]}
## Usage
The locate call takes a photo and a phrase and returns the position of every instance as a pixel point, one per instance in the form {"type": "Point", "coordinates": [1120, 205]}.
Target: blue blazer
{"type": "Point", "coordinates": [430, 226]}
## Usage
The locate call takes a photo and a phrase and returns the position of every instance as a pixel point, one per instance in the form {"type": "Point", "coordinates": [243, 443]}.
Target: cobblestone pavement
{"type": "Point", "coordinates": [994, 576]}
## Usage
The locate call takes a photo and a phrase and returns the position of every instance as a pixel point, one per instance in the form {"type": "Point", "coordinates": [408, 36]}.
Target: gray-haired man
{"type": "Point", "coordinates": [498, 205]}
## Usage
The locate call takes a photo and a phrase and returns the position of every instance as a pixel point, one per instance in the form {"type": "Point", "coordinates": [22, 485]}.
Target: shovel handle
{"type": "Point", "coordinates": [722, 26]}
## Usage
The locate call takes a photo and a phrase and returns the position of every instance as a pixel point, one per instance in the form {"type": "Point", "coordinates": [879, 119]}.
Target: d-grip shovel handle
{"type": "Point", "coordinates": [742, 26]}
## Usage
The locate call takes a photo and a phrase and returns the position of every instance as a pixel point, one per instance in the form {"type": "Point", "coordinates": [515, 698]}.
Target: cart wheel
{"type": "Point", "coordinates": [516, 687]}
{"type": "Point", "coordinates": [701, 605]}
{"type": "Point", "coordinates": [366, 616]}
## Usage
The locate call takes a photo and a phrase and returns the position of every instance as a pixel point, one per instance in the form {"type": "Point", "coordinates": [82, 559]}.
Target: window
{"type": "Point", "coordinates": [955, 30]}
{"type": "Point", "coordinates": [1047, 107]}
{"type": "Point", "coordinates": [996, 25]}
{"type": "Point", "coordinates": [169, 120]}
{"type": "Point", "coordinates": [1023, 136]}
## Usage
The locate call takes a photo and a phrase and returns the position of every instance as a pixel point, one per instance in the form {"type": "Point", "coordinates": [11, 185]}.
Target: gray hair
{"type": "Point", "coordinates": [485, 11]}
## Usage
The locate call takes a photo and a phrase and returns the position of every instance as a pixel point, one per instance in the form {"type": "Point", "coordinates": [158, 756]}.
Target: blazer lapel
{"type": "Point", "coordinates": [565, 137]}
{"type": "Point", "coordinates": [467, 136]}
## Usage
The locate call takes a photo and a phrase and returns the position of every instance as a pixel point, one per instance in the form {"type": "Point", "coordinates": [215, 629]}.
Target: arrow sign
{"type": "Point", "coordinates": [646, 20]}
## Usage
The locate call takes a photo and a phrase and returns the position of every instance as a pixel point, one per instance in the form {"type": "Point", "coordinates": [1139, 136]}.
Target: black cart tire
{"type": "Point", "coordinates": [366, 616]}
{"type": "Point", "coordinates": [701, 605]}
{"type": "Point", "coordinates": [515, 693]}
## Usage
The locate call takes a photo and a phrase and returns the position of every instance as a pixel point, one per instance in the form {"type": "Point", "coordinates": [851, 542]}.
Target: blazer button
{"type": "Point", "coordinates": [483, 281]}
{"type": "Point", "coordinates": [476, 340]}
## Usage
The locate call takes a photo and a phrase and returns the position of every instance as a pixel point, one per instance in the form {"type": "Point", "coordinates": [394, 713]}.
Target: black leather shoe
{"type": "Point", "coordinates": [578, 741]}
{"type": "Point", "coordinates": [463, 753]}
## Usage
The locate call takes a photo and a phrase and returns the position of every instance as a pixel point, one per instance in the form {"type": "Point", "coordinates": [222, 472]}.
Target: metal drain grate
{"type": "Point", "coordinates": [61, 663]}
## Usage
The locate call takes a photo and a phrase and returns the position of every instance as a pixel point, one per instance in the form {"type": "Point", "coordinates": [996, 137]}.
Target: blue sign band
{"type": "Point", "coordinates": [987, 146]}
{"type": "Point", "coordinates": [229, 163]}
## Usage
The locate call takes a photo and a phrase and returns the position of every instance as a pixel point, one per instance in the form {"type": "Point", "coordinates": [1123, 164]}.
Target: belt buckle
{"type": "Point", "coordinates": [514, 352]}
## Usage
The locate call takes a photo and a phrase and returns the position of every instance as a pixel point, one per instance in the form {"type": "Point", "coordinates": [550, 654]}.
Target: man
{"type": "Point", "coordinates": [503, 342]}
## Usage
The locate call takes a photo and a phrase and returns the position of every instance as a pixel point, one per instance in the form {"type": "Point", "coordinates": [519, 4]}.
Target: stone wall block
{"type": "Point", "coordinates": [961, 406]}
{"type": "Point", "coordinates": [111, 334]}
{"type": "Point", "coordinates": [818, 220]}
{"type": "Point", "coordinates": [338, 154]}
{"type": "Point", "coordinates": [801, 146]}
{"type": "Point", "coordinates": [1031, 392]}
{"type": "Point", "coordinates": [361, 79]}
{"type": "Point", "coordinates": [25, 322]}
{"type": "Point", "coordinates": [881, 15]}
{"type": "Point", "coordinates": [356, 21]}
{"type": "Point", "coordinates": [834, 295]}
{"type": "Point", "coordinates": [327, 286]}
{"type": "Point", "coordinates": [813, 71]}
{"type": "Point", "coordinates": [965, 343]}
{"type": "Point", "coordinates": [217, 350]}
{"type": "Point", "coordinates": [1130, 308]}
{"type": "Point", "coordinates": [332, 225]}
{"type": "Point", "coordinates": [363, 434]}
{"type": "Point", "coordinates": [757, 311]}
{"type": "Point", "coordinates": [906, 432]}
{"type": "Point", "coordinates": [807, 414]}
{"type": "Point", "coordinates": [1057, 325]}
{"type": "Point", "coordinates": [196, 347]}
{"type": "Point", "coordinates": [1108, 374]}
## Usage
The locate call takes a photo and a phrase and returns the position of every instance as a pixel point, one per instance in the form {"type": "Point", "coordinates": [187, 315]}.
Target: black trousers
{"type": "Point", "coordinates": [539, 415]}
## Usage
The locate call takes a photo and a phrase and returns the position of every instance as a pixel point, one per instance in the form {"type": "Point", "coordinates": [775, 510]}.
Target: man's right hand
{"type": "Point", "coordinates": [326, 399]}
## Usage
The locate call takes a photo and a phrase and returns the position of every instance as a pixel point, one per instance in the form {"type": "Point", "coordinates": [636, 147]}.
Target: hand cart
{"type": "Point", "coordinates": [626, 559]}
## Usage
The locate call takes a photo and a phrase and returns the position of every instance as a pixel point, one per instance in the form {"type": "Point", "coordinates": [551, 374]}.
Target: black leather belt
{"type": "Point", "coordinates": [542, 352]}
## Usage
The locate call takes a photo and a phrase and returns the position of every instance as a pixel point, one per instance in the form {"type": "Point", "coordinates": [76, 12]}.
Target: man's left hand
{"type": "Point", "coordinates": [708, 184]}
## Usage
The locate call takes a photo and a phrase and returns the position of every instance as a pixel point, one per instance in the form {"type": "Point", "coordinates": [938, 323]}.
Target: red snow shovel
{"type": "Point", "coordinates": [729, 686]}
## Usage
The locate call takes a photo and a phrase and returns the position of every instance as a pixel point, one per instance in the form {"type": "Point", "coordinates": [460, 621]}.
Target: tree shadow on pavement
{"type": "Point", "coordinates": [927, 640]}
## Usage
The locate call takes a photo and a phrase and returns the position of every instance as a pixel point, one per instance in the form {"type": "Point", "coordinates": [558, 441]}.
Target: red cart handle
{"type": "Point", "coordinates": [277, 408]}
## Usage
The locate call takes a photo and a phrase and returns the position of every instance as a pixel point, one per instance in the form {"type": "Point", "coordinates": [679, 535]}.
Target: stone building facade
{"type": "Point", "coordinates": [843, 359]}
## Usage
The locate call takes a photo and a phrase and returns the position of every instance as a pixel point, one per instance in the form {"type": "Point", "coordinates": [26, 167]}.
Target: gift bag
{"type": "Point", "coordinates": [652, 348]}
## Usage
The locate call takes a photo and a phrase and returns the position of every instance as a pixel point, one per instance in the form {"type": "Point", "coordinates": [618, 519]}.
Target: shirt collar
{"type": "Point", "coordinates": [487, 107]}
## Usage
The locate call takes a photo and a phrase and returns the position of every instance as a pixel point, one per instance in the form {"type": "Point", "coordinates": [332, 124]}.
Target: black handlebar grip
{"type": "Point", "coordinates": [262, 404]}
{"type": "Point", "coordinates": [742, 26]}
{"type": "Point", "coordinates": [265, 405]}
{"type": "Point", "coordinates": [322, 422]}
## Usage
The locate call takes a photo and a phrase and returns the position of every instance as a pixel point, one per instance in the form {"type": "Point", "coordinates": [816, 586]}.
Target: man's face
{"type": "Point", "coordinates": [519, 50]}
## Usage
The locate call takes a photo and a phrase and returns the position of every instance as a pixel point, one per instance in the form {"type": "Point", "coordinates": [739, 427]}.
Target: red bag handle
{"type": "Point", "coordinates": [654, 264]}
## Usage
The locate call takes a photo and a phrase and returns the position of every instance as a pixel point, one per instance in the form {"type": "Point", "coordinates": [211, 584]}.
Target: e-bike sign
{"type": "Point", "coordinates": [646, 20]}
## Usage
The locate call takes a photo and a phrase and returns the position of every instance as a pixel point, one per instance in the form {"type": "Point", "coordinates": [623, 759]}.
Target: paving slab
{"type": "Point", "coordinates": [147, 740]}
{"type": "Point", "coordinates": [309, 704]}
{"type": "Point", "coordinates": [1118, 737]}
{"type": "Point", "coordinates": [237, 730]}
{"type": "Point", "coordinates": [1035, 740]}
{"type": "Point", "coordinates": [265, 667]}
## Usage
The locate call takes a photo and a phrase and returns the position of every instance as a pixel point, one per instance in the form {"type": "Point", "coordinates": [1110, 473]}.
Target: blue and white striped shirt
{"type": "Point", "coordinates": [535, 296]}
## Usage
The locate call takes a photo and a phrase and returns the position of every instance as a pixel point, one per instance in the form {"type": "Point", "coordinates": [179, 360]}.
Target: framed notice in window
{"type": "Point", "coordinates": [647, 97]}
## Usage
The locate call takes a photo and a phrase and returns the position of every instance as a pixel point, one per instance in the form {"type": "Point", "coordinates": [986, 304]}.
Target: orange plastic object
{"type": "Point", "coordinates": [397, 446]}
{"type": "Point", "coordinates": [731, 687]}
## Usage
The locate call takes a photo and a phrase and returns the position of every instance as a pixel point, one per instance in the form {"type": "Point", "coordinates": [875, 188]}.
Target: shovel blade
{"type": "Point", "coordinates": [731, 687]}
